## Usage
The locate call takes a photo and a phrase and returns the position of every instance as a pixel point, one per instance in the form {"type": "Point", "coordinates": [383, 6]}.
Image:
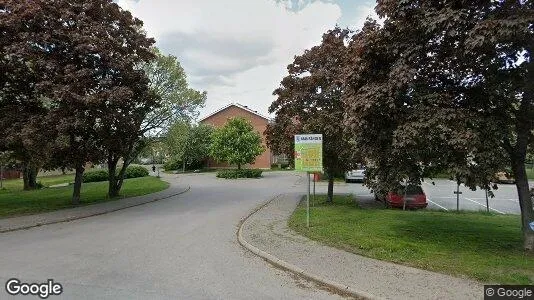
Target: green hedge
{"type": "Point", "coordinates": [136, 172]}
{"type": "Point", "coordinates": [102, 175]}
{"type": "Point", "coordinates": [172, 165]}
{"type": "Point", "coordinates": [95, 176]}
{"type": "Point", "coordinates": [243, 173]}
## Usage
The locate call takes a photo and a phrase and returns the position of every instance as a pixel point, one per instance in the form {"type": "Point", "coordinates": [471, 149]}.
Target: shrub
{"type": "Point", "coordinates": [172, 165]}
{"type": "Point", "coordinates": [95, 176]}
{"type": "Point", "coordinates": [136, 171]}
{"type": "Point", "coordinates": [243, 173]}
{"type": "Point", "coordinates": [102, 175]}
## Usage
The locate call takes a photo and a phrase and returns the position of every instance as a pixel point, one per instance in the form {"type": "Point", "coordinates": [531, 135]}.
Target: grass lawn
{"type": "Point", "coordinates": [16, 184]}
{"type": "Point", "coordinates": [482, 246]}
{"type": "Point", "coordinates": [14, 201]}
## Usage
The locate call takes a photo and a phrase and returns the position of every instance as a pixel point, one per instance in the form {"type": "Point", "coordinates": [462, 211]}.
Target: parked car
{"type": "Point", "coordinates": [357, 175]}
{"type": "Point", "coordinates": [503, 177]}
{"type": "Point", "coordinates": [414, 196]}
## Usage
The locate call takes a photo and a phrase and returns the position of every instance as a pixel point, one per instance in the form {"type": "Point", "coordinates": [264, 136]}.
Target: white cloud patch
{"type": "Point", "coordinates": [236, 50]}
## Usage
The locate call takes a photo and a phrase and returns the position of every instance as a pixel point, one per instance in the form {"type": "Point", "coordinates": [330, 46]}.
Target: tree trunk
{"type": "Point", "coordinates": [116, 180]}
{"type": "Point", "coordinates": [29, 177]}
{"type": "Point", "coordinates": [239, 166]}
{"type": "Point", "coordinates": [77, 184]}
{"type": "Point", "coordinates": [112, 178]}
{"type": "Point", "coordinates": [525, 203]}
{"type": "Point", "coordinates": [330, 196]}
{"type": "Point", "coordinates": [183, 166]}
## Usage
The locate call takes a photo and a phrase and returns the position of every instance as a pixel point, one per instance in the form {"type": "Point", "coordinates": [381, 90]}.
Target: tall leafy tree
{"type": "Point", "coordinates": [445, 86]}
{"type": "Point", "coordinates": [189, 144]}
{"type": "Point", "coordinates": [85, 57]}
{"type": "Point", "coordinates": [309, 100]}
{"type": "Point", "coordinates": [178, 101]}
{"type": "Point", "coordinates": [236, 143]}
{"type": "Point", "coordinates": [24, 128]}
{"type": "Point", "coordinates": [280, 136]}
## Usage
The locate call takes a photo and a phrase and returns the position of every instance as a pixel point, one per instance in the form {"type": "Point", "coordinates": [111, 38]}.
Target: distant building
{"type": "Point", "coordinates": [258, 121]}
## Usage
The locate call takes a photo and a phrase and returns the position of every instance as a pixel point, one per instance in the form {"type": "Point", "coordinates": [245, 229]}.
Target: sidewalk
{"type": "Point", "coordinates": [69, 214]}
{"type": "Point", "coordinates": [267, 231]}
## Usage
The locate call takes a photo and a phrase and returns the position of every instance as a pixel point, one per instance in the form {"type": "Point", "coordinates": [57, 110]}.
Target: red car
{"type": "Point", "coordinates": [413, 196]}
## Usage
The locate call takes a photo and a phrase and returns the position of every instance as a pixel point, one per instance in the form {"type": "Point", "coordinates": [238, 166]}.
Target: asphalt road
{"type": "Point", "coordinates": [180, 248]}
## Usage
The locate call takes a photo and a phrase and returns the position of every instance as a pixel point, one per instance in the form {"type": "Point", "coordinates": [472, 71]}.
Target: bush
{"type": "Point", "coordinates": [95, 176]}
{"type": "Point", "coordinates": [135, 172]}
{"type": "Point", "coordinates": [102, 175]}
{"type": "Point", "coordinates": [243, 173]}
{"type": "Point", "coordinates": [172, 165]}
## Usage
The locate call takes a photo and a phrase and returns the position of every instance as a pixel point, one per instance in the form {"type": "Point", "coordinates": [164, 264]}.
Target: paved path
{"type": "Point", "coordinates": [183, 247]}
{"type": "Point", "coordinates": [267, 230]}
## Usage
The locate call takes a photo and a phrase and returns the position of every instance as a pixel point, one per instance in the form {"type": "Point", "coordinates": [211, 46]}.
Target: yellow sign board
{"type": "Point", "coordinates": [309, 152]}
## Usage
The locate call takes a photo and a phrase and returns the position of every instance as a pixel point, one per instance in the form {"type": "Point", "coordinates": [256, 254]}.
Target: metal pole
{"type": "Point", "coordinates": [313, 200]}
{"type": "Point", "coordinates": [308, 203]}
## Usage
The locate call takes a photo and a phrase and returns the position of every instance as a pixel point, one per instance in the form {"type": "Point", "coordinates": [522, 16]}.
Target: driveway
{"type": "Point", "coordinates": [440, 196]}
{"type": "Point", "coordinates": [183, 247]}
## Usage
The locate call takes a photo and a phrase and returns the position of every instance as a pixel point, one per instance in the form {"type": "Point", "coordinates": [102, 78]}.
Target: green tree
{"type": "Point", "coordinates": [176, 141]}
{"type": "Point", "coordinates": [444, 86]}
{"type": "Point", "coordinates": [189, 144]}
{"type": "Point", "coordinates": [84, 57]}
{"type": "Point", "coordinates": [178, 101]}
{"type": "Point", "coordinates": [310, 101]}
{"type": "Point", "coordinates": [236, 143]}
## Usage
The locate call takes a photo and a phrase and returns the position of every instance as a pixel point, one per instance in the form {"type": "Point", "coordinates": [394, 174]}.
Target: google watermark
{"type": "Point", "coordinates": [511, 292]}
{"type": "Point", "coordinates": [42, 290]}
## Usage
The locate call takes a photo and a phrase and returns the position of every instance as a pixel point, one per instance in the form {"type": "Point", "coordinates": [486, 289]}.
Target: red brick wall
{"type": "Point", "coordinates": [260, 124]}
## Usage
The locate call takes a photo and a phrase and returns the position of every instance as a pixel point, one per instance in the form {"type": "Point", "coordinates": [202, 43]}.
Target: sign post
{"type": "Point", "coordinates": [308, 158]}
{"type": "Point", "coordinates": [458, 193]}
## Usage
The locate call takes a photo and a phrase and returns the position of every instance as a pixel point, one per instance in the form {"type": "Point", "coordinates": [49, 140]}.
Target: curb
{"type": "Point", "coordinates": [338, 288]}
{"type": "Point", "coordinates": [69, 219]}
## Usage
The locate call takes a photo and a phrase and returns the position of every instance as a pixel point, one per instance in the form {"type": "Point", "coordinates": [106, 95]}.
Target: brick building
{"type": "Point", "coordinates": [259, 122]}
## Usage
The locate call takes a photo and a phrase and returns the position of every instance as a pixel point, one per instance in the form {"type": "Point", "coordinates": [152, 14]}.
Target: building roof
{"type": "Point", "coordinates": [244, 107]}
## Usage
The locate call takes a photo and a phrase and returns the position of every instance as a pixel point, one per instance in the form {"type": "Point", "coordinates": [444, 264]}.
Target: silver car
{"type": "Point", "coordinates": [357, 175]}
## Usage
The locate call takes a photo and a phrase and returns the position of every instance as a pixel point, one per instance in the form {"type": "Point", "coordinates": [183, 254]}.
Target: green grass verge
{"type": "Point", "coordinates": [46, 181]}
{"type": "Point", "coordinates": [17, 202]}
{"type": "Point", "coordinates": [486, 247]}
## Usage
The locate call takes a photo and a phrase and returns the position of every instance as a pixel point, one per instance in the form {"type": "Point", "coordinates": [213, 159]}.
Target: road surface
{"type": "Point", "coordinates": [180, 248]}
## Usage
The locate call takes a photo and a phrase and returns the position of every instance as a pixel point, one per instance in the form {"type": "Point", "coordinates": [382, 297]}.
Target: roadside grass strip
{"type": "Point", "coordinates": [15, 202]}
{"type": "Point", "coordinates": [480, 245]}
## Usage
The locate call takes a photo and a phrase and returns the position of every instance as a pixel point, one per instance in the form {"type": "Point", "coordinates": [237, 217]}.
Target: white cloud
{"type": "Point", "coordinates": [237, 50]}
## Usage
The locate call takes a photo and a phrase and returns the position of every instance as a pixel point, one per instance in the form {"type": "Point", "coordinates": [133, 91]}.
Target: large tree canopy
{"type": "Point", "coordinates": [82, 59]}
{"type": "Point", "coordinates": [309, 101]}
{"type": "Point", "coordinates": [444, 86]}
{"type": "Point", "coordinates": [178, 102]}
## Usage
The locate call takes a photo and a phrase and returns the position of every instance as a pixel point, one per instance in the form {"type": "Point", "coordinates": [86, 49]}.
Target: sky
{"type": "Point", "coordinates": [238, 50]}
